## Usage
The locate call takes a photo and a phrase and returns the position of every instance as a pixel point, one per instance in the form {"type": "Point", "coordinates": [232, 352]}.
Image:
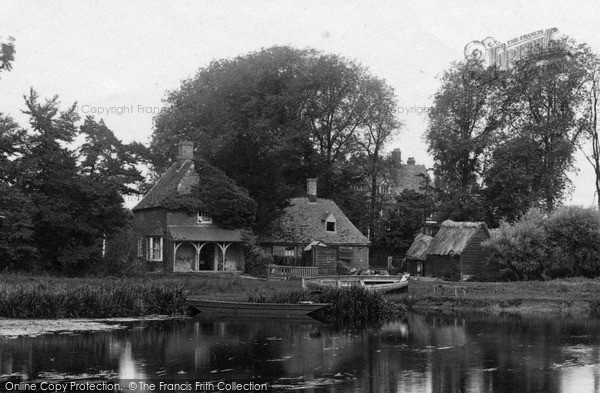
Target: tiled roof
{"type": "Point", "coordinates": [303, 222]}
{"type": "Point", "coordinates": [166, 185]}
{"type": "Point", "coordinates": [453, 237]}
{"type": "Point", "coordinates": [418, 249]}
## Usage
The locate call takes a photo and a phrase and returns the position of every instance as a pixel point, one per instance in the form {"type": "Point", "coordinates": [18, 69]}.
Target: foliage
{"type": "Point", "coordinates": [352, 307]}
{"type": "Point", "coordinates": [272, 118]}
{"type": "Point", "coordinates": [522, 248]}
{"type": "Point", "coordinates": [7, 54]}
{"type": "Point", "coordinates": [546, 93]}
{"type": "Point", "coordinates": [403, 221]}
{"type": "Point", "coordinates": [120, 299]}
{"type": "Point", "coordinates": [256, 258]}
{"type": "Point", "coordinates": [574, 242]}
{"type": "Point", "coordinates": [60, 203]}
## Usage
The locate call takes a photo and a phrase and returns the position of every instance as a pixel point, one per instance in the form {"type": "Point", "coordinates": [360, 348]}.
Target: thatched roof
{"type": "Point", "coordinates": [453, 237]}
{"type": "Point", "coordinates": [419, 247]}
{"type": "Point", "coordinates": [303, 222]}
{"type": "Point", "coordinates": [167, 185]}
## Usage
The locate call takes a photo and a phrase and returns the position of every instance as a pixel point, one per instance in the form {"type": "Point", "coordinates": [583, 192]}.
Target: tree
{"type": "Point", "coordinates": [403, 221]}
{"type": "Point", "coordinates": [273, 118]}
{"type": "Point", "coordinates": [512, 180]}
{"type": "Point", "coordinates": [547, 90]}
{"type": "Point", "coordinates": [466, 115]}
{"type": "Point", "coordinates": [591, 63]}
{"type": "Point", "coordinates": [16, 234]}
{"type": "Point", "coordinates": [462, 121]}
{"type": "Point", "coordinates": [380, 126]}
{"type": "Point", "coordinates": [76, 198]}
{"type": "Point", "coordinates": [7, 54]}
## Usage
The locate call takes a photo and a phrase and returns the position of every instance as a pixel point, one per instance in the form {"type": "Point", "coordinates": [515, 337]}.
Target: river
{"type": "Point", "coordinates": [424, 353]}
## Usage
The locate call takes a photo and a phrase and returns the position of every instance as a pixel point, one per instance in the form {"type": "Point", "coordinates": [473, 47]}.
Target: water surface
{"type": "Point", "coordinates": [425, 353]}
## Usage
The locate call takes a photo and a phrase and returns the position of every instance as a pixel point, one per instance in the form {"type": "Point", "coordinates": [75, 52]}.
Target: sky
{"type": "Point", "coordinates": [118, 59]}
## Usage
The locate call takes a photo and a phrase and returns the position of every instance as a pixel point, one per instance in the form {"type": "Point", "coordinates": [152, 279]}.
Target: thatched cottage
{"type": "Point", "coordinates": [176, 240]}
{"type": "Point", "coordinates": [315, 232]}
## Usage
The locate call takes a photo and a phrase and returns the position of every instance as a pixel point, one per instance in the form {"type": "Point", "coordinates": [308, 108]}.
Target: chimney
{"type": "Point", "coordinates": [410, 161]}
{"type": "Point", "coordinates": [311, 189]}
{"type": "Point", "coordinates": [397, 156]}
{"type": "Point", "coordinates": [185, 151]}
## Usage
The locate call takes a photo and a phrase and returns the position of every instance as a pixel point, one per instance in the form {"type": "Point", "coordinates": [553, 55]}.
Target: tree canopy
{"type": "Point", "coordinates": [273, 118]}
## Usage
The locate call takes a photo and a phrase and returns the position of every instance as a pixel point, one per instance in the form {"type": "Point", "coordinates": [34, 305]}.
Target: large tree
{"type": "Point", "coordinates": [547, 91]}
{"type": "Point", "coordinates": [467, 112]}
{"type": "Point", "coordinates": [76, 195]}
{"type": "Point", "coordinates": [272, 118]}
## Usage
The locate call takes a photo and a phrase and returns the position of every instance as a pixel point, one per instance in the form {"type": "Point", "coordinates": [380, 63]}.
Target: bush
{"type": "Point", "coordinates": [257, 259]}
{"type": "Point", "coordinates": [574, 242]}
{"type": "Point", "coordinates": [521, 249]}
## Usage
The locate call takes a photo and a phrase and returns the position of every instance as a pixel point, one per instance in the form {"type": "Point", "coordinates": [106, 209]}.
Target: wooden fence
{"type": "Point", "coordinates": [285, 272]}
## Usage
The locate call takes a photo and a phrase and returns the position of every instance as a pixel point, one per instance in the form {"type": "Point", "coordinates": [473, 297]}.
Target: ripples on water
{"type": "Point", "coordinates": [425, 353]}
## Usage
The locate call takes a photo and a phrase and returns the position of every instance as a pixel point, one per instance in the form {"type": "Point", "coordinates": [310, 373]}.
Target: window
{"type": "Point", "coordinates": [330, 226]}
{"type": "Point", "coordinates": [289, 252]}
{"type": "Point", "coordinates": [384, 188]}
{"type": "Point", "coordinates": [155, 248]}
{"type": "Point", "coordinates": [140, 248]}
{"type": "Point", "coordinates": [204, 218]}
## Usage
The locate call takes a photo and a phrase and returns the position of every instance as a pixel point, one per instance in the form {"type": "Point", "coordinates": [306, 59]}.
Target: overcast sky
{"type": "Point", "coordinates": [112, 54]}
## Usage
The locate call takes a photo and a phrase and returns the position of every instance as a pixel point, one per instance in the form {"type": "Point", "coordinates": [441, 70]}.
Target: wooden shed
{"type": "Point", "coordinates": [457, 247]}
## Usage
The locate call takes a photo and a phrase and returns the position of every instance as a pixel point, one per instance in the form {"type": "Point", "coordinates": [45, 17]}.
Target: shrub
{"type": "Point", "coordinates": [257, 259]}
{"type": "Point", "coordinates": [574, 242]}
{"type": "Point", "coordinates": [521, 249]}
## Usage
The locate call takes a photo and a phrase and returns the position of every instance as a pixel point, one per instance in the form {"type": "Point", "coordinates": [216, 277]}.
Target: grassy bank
{"type": "Point", "coordinates": [60, 297]}
{"type": "Point", "coordinates": [576, 296]}
{"type": "Point", "coordinates": [23, 296]}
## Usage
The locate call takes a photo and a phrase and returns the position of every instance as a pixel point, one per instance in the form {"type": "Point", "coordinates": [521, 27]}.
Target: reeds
{"type": "Point", "coordinates": [351, 307]}
{"type": "Point", "coordinates": [84, 300]}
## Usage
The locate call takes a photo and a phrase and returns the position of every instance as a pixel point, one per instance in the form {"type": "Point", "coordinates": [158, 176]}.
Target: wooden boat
{"type": "Point", "coordinates": [382, 284]}
{"type": "Point", "coordinates": [213, 308]}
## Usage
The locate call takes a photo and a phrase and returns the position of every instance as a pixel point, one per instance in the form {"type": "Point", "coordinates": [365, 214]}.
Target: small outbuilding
{"type": "Point", "coordinates": [457, 248]}
{"type": "Point", "coordinates": [417, 255]}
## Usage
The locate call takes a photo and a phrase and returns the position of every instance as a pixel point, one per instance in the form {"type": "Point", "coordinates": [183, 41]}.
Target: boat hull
{"type": "Point", "coordinates": [384, 284]}
{"type": "Point", "coordinates": [215, 308]}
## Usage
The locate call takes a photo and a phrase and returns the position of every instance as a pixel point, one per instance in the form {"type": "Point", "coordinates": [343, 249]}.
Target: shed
{"type": "Point", "coordinates": [417, 254]}
{"type": "Point", "coordinates": [457, 248]}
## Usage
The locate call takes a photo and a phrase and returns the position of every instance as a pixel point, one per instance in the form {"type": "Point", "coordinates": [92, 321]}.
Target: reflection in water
{"type": "Point", "coordinates": [425, 353]}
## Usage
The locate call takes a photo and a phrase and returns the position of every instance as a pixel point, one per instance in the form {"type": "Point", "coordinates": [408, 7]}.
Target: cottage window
{"type": "Point", "coordinates": [140, 248]}
{"type": "Point", "coordinates": [204, 218]}
{"type": "Point", "coordinates": [289, 252]}
{"type": "Point", "coordinates": [384, 188]}
{"type": "Point", "coordinates": [155, 248]}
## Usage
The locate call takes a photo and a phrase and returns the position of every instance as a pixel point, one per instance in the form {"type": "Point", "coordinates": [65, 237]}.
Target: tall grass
{"type": "Point", "coordinates": [351, 307]}
{"type": "Point", "coordinates": [84, 300]}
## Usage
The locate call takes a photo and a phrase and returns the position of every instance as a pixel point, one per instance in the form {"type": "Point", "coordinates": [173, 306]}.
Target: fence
{"type": "Point", "coordinates": [278, 271]}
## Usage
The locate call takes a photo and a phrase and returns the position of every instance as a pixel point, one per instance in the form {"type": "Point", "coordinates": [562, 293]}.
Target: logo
{"type": "Point", "coordinates": [503, 55]}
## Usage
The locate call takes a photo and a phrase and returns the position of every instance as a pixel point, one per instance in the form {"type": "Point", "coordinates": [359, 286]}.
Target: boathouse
{"type": "Point", "coordinates": [314, 232]}
{"type": "Point", "coordinates": [417, 255]}
{"type": "Point", "coordinates": [179, 240]}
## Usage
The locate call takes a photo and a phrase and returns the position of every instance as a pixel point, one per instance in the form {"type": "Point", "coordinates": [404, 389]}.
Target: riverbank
{"type": "Point", "coordinates": [577, 297]}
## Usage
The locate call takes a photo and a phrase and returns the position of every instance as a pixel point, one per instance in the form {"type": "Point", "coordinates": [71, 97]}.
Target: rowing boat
{"type": "Point", "coordinates": [382, 284]}
{"type": "Point", "coordinates": [214, 308]}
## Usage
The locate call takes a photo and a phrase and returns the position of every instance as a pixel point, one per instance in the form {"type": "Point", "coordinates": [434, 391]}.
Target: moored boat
{"type": "Point", "coordinates": [265, 310]}
{"type": "Point", "coordinates": [382, 284]}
